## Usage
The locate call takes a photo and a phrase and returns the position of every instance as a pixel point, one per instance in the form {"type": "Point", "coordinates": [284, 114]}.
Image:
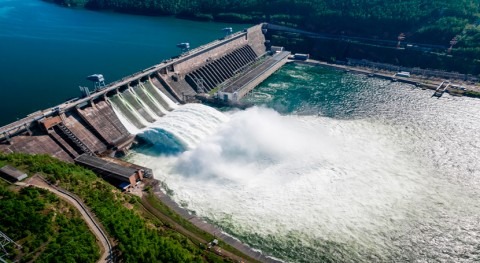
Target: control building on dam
{"type": "Point", "coordinates": [229, 67]}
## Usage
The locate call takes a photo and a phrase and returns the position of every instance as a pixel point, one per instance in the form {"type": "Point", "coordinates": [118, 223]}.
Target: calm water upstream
{"type": "Point", "coordinates": [46, 51]}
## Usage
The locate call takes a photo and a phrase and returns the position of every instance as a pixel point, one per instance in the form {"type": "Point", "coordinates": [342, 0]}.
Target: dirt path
{"type": "Point", "coordinates": [86, 214]}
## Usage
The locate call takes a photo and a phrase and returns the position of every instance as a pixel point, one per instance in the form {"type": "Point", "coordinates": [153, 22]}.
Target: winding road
{"type": "Point", "coordinates": [92, 223]}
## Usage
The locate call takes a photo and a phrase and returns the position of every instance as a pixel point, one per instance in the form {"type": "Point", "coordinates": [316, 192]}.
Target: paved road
{"type": "Point", "coordinates": [86, 214]}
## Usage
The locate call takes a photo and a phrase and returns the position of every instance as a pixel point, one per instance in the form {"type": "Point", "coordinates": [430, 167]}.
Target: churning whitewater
{"type": "Point", "coordinates": [303, 187]}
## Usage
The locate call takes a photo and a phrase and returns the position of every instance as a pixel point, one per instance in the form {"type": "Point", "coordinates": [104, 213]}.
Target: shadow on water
{"type": "Point", "coordinates": [158, 142]}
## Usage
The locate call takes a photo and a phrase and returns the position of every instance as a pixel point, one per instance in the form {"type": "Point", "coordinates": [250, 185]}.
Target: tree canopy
{"type": "Point", "coordinates": [138, 238]}
{"type": "Point", "coordinates": [435, 21]}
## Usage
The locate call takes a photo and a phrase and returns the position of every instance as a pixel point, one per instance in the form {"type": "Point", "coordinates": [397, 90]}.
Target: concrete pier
{"type": "Point", "coordinates": [417, 80]}
{"type": "Point", "coordinates": [239, 87]}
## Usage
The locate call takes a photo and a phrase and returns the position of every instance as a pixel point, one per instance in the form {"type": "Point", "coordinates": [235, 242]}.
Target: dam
{"type": "Point", "coordinates": [228, 67]}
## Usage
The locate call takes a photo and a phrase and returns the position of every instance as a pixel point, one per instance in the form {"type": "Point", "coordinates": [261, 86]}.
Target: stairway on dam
{"type": "Point", "coordinates": [216, 72]}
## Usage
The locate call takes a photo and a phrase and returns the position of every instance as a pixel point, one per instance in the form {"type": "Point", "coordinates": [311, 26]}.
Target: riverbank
{"type": "Point", "coordinates": [471, 90]}
{"type": "Point", "coordinates": [138, 236]}
{"type": "Point", "coordinates": [207, 227]}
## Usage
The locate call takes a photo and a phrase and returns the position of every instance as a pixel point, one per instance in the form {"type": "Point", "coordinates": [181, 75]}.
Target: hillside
{"type": "Point", "coordinates": [40, 222]}
{"type": "Point", "coordinates": [433, 22]}
{"type": "Point", "coordinates": [47, 228]}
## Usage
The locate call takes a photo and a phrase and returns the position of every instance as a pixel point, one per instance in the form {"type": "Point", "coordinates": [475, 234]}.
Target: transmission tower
{"type": "Point", "coordinates": [4, 241]}
{"type": "Point", "coordinates": [453, 42]}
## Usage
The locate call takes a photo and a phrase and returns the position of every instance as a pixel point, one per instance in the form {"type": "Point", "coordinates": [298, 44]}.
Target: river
{"type": "Point", "coordinates": [331, 167]}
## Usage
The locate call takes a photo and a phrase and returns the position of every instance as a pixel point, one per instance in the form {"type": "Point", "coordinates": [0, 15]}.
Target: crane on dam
{"type": "Point", "coordinates": [185, 46]}
{"type": "Point", "coordinates": [228, 31]}
{"type": "Point", "coordinates": [98, 81]}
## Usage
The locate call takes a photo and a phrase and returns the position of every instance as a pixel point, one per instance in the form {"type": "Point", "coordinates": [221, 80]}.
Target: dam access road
{"type": "Point", "coordinates": [417, 80]}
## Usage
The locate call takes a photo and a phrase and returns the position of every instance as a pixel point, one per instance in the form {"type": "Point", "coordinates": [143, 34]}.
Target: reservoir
{"type": "Point", "coordinates": [47, 51]}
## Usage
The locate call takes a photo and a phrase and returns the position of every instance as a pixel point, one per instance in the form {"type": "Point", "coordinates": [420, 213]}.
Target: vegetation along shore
{"type": "Point", "coordinates": [438, 34]}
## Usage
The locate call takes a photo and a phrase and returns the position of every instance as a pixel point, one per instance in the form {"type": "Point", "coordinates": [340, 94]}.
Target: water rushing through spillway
{"type": "Point", "coordinates": [330, 167]}
{"type": "Point", "coordinates": [185, 126]}
{"type": "Point", "coordinates": [141, 105]}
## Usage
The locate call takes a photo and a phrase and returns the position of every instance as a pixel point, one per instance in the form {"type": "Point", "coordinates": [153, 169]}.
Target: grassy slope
{"type": "Point", "coordinates": [140, 236]}
{"type": "Point", "coordinates": [47, 228]}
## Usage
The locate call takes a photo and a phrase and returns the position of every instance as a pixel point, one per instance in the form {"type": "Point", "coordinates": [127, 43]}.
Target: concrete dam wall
{"type": "Point", "coordinates": [91, 124]}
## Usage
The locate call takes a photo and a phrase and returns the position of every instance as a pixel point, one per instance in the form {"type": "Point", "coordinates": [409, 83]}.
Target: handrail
{"type": "Point", "coordinates": [80, 203]}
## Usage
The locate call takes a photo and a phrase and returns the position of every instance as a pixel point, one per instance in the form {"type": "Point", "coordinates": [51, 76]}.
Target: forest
{"type": "Point", "coordinates": [137, 237]}
{"type": "Point", "coordinates": [48, 229]}
{"type": "Point", "coordinates": [424, 25]}
{"type": "Point", "coordinates": [433, 22]}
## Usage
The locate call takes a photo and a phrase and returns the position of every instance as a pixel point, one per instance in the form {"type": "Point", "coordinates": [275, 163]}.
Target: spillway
{"type": "Point", "coordinates": [187, 124]}
{"type": "Point", "coordinates": [149, 100]}
{"type": "Point", "coordinates": [130, 114]}
{"type": "Point", "coordinates": [138, 105]}
{"type": "Point", "coordinates": [142, 105]}
{"type": "Point", "coordinates": [159, 96]}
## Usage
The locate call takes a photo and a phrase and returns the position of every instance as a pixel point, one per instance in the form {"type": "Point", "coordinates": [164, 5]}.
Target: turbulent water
{"type": "Point", "coordinates": [331, 166]}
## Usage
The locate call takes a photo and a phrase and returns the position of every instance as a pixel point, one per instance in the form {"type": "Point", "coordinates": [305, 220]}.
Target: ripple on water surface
{"type": "Point", "coordinates": [352, 169]}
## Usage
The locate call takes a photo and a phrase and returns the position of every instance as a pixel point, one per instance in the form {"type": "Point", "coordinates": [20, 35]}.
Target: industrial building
{"type": "Point", "coordinates": [121, 176]}
{"type": "Point", "coordinates": [12, 174]}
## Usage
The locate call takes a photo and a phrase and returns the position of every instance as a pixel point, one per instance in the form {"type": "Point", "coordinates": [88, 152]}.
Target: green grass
{"type": "Point", "coordinates": [165, 210]}
{"type": "Point", "coordinates": [139, 237]}
{"type": "Point", "coordinates": [48, 228]}
{"type": "Point", "coordinates": [471, 93]}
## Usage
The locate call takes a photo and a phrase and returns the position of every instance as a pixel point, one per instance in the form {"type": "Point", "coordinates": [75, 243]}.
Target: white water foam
{"type": "Point", "coordinates": [132, 129]}
{"type": "Point", "coordinates": [349, 182]}
{"type": "Point", "coordinates": [188, 123]}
